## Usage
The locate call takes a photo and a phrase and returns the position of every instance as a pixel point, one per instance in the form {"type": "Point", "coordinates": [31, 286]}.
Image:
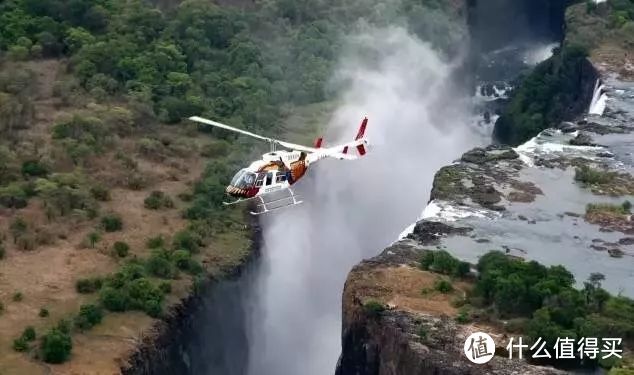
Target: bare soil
{"type": "Point", "coordinates": [46, 276]}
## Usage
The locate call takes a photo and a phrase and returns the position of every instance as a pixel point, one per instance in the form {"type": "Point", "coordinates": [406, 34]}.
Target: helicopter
{"type": "Point", "coordinates": [268, 181]}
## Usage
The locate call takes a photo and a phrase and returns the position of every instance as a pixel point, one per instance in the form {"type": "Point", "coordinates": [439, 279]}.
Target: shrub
{"type": "Point", "coordinates": [56, 346]}
{"type": "Point", "coordinates": [111, 223]}
{"type": "Point", "coordinates": [114, 299]}
{"type": "Point", "coordinates": [160, 265]}
{"type": "Point", "coordinates": [182, 259]}
{"type": "Point", "coordinates": [607, 208]}
{"type": "Point", "coordinates": [145, 296]}
{"type": "Point", "coordinates": [591, 176]}
{"type": "Point", "coordinates": [155, 242]}
{"type": "Point", "coordinates": [43, 313]}
{"type": "Point", "coordinates": [373, 308]}
{"type": "Point", "coordinates": [121, 249]}
{"type": "Point", "coordinates": [463, 269]}
{"type": "Point", "coordinates": [2, 251]}
{"type": "Point", "coordinates": [89, 285]}
{"type": "Point", "coordinates": [93, 238]}
{"type": "Point", "coordinates": [13, 196]}
{"type": "Point", "coordinates": [20, 345]}
{"type": "Point", "coordinates": [443, 286]}
{"type": "Point", "coordinates": [89, 316]}
{"type": "Point", "coordinates": [18, 228]}
{"type": "Point", "coordinates": [29, 333]}
{"type": "Point", "coordinates": [464, 315]}
{"type": "Point", "coordinates": [627, 206]}
{"type": "Point", "coordinates": [100, 193]}
{"type": "Point", "coordinates": [442, 262]}
{"type": "Point", "coordinates": [157, 200]}
{"type": "Point", "coordinates": [34, 168]}
{"type": "Point", "coordinates": [186, 240]}
{"type": "Point", "coordinates": [17, 296]}
{"type": "Point", "coordinates": [184, 262]}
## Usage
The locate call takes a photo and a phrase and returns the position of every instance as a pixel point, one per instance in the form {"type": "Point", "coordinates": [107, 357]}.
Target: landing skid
{"type": "Point", "coordinates": [237, 201]}
{"type": "Point", "coordinates": [264, 207]}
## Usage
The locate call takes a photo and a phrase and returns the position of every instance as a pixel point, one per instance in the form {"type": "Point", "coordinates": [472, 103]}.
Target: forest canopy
{"type": "Point", "coordinates": [231, 64]}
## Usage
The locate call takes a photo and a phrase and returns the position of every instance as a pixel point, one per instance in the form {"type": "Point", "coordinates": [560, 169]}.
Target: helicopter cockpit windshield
{"type": "Point", "coordinates": [243, 179]}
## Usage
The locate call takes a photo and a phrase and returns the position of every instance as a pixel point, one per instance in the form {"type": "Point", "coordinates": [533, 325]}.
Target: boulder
{"type": "Point", "coordinates": [567, 127]}
{"type": "Point", "coordinates": [582, 139]}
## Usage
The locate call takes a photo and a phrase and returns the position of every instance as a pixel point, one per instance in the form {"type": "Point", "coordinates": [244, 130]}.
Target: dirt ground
{"type": "Point", "coordinates": [46, 276]}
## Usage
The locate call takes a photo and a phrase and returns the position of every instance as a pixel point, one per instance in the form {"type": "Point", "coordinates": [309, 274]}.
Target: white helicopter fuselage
{"type": "Point", "coordinates": [278, 170]}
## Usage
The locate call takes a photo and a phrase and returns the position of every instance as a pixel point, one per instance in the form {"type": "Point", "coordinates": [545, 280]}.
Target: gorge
{"type": "Point", "coordinates": [284, 311]}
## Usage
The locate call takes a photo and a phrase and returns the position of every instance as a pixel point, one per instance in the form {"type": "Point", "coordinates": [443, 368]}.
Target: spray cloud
{"type": "Point", "coordinates": [354, 209]}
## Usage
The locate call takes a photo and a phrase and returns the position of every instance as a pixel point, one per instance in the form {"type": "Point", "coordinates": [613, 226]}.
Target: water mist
{"type": "Point", "coordinates": [354, 209]}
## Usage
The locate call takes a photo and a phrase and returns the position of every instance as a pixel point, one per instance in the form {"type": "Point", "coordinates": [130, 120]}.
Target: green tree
{"type": "Point", "coordinates": [56, 346]}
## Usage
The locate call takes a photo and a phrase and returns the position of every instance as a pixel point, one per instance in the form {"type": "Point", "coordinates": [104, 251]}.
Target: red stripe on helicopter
{"type": "Point", "coordinates": [361, 132]}
{"type": "Point", "coordinates": [345, 150]}
{"type": "Point", "coordinates": [361, 150]}
{"type": "Point", "coordinates": [318, 142]}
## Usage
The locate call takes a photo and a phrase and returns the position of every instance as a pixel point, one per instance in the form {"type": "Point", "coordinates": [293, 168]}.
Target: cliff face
{"type": "Point", "coordinates": [417, 335]}
{"type": "Point", "coordinates": [530, 201]}
{"type": "Point", "coordinates": [169, 348]}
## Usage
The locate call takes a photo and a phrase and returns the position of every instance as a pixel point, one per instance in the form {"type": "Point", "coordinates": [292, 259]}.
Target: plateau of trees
{"type": "Point", "coordinates": [539, 301]}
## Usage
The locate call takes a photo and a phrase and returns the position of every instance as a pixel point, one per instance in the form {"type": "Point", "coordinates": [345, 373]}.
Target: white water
{"type": "Point", "coordinates": [354, 209]}
{"type": "Point", "coordinates": [539, 52]}
{"type": "Point", "coordinates": [447, 211]}
{"type": "Point", "coordinates": [599, 99]}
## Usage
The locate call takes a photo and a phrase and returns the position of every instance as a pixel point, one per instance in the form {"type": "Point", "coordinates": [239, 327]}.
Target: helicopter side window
{"type": "Point", "coordinates": [269, 178]}
{"type": "Point", "coordinates": [260, 180]}
{"type": "Point", "coordinates": [281, 177]}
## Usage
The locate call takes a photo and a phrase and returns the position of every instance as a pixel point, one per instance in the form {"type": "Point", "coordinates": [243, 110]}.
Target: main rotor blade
{"type": "Point", "coordinates": [227, 127]}
{"type": "Point", "coordinates": [289, 145]}
{"type": "Point", "coordinates": [294, 146]}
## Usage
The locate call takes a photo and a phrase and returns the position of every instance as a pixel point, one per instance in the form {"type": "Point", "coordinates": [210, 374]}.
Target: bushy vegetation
{"type": "Point", "coordinates": [155, 242]}
{"type": "Point", "coordinates": [508, 288]}
{"type": "Point", "coordinates": [89, 316]}
{"type": "Point", "coordinates": [21, 344]}
{"type": "Point", "coordinates": [56, 345]}
{"type": "Point", "coordinates": [121, 249]}
{"type": "Point", "coordinates": [609, 208]}
{"type": "Point", "coordinates": [132, 291]}
{"type": "Point", "coordinates": [544, 97]}
{"type": "Point", "coordinates": [442, 262]}
{"type": "Point", "coordinates": [591, 176]}
{"type": "Point", "coordinates": [373, 308]}
{"type": "Point", "coordinates": [157, 200]}
{"type": "Point", "coordinates": [443, 286]}
{"type": "Point", "coordinates": [622, 12]}
{"type": "Point", "coordinates": [112, 223]}
{"type": "Point", "coordinates": [17, 297]}
{"type": "Point", "coordinates": [89, 285]}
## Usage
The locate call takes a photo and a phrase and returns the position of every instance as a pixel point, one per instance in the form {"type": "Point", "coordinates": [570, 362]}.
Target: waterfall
{"type": "Point", "coordinates": [599, 99]}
